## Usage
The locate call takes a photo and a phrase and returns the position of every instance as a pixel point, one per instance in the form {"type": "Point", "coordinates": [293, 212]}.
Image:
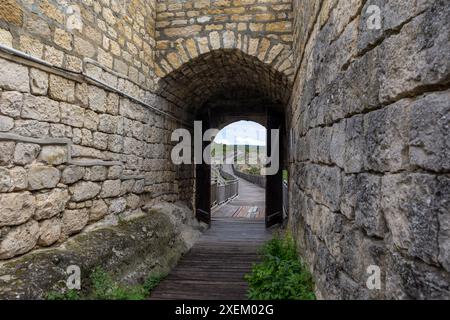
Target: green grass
{"type": "Point", "coordinates": [101, 286]}
{"type": "Point", "coordinates": [285, 175]}
{"type": "Point", "coordinates": [281, 275]}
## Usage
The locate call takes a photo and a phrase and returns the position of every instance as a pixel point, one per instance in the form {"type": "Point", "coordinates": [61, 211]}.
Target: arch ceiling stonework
{"type": "Point", "coordinates": [244, 44]}
{"type": "Point", "coordinates": [228, 74]}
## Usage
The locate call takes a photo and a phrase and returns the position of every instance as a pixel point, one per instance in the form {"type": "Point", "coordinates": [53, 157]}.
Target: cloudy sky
{"type": "Point", "coordinates": [243, 133]}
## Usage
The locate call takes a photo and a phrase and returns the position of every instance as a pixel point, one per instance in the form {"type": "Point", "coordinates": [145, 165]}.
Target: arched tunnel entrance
{"type": "Point", "coordinates": [224, 86]}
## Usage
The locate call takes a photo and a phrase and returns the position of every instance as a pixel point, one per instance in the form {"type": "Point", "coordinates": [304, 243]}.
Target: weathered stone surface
{"type": "Point", "coordinates": [11, 103]}
{"type": "Point", "coordinates": [51, 203]}
{"type": "Point", "coordinates": [429, 144]}
{"type": "Point", "coordinates": [117, 205]}
{"type": "Point", "coordinates": [368, 206]}
{"type": "Point", "coordinates": [72, 115]}
{"type": "Point", "coordinates": [16, 208]}
{"type": "Point", "coordinates": [109, 124]}
{"type": "Point", "coordinates": [132, 247]}
{"type": "Point", "coordinates": [5, 180]}
{"type": "Point", "coordinates": [411, 203]}
{"type": "Point", "coordinates": [40, 108]}
{"type": "Point", "coordinates": [97, 97]}
{"type": "Point", "coordinates": [73, 221]}
{"type": "Point", "coordinates": [110, 188]}
{"type": "Point", "coordinates": [414, 58]}
{"type": "Point", "coordinates": [133, 201]}
{"type": "Point", "coordinates": [19, 178]}
{"type": "Point", "coordinates": [14, 76]}
{"type": "Point", "coordinates": [5, 38]}
{"type": "Point", "coordinates": [50, 231]}
{"type": "Point", "coordinates": [43, 177]}
{"type": "Point", "coordinates": [26, 153]}
{"type": "Point", "coordinates": [38, 82]}
{"type": "Point", "coordinates": [443, 199]}
{"type": "Point", "coordinates": [72, 174]}
{"type": "Point", "coordinates": [54, 155]}
{"type": "Point", "coordinates": [31, 128]}
{"type": "Point", "coordinates": [386, 140]}
{"type": "Point", "coordinates": [115, 172]}
{"type": "Point", "coordinates": [409, 279]}
{"type": "Point", "coordinates": [139, 186]}
{"type": "Point", "coordinates": [98, 210]}
{"type": "Point", "coordinates": [6, 123]}
{"type": "Point", "coordinates": [96, 173]}
{"type": "Point", "coordinates": [324, 184]}
{"type": "Point", "coordinates": [354, 145]}
{"type": "Point", "coordinates": [6, 152]}
{"type": "Point", "coordinates": [61, 89]}
{"type": "Point", "coordinates": [83, 190]}
{"type": "Point", "coordinates": [19, 240]}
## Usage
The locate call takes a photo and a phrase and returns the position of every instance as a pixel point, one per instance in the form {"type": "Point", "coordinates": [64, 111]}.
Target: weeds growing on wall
{"type": "Point", "coordinates": [102, 287]}
{"type": "Point", "coordinates": [281, 275]}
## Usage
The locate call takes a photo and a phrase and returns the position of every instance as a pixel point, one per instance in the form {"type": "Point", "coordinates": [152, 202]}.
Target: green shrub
{"type": "Point", "coordinates": [105, 288]}
{"type": "Point", "coordinates": [68, 295]}
{"type": "Point", "coordinates": [280, 275]}
{"type": "Point", "coordinates": [102, 287]}
{"type": "Point", "coordinates": [152, 281]}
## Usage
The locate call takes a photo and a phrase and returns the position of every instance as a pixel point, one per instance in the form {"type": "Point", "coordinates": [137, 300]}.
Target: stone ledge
{"type": "Point", "coordinates": [130, 251]}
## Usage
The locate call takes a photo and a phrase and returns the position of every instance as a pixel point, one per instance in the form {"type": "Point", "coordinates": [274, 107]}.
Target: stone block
{"type": "Point", "coordinates": [5, 180]}
{"type": "Point", "coordinates": [72, 115]}
{"type": "Point", "coordinates": [386, 138]}
{"type": "Point", "coordinates": [19, 240]}
{"type": "Point", "coordinates": [82, 191]}
{"type": "Point", "coordinates": [19, 178]}
{"type": "Point", "coordinates": [26, 153]}
{"type": "Point", "coordinates": [117, 206]}
{"type": "Point", "coordinates": [54, 155]}
{"type": "Point", "coordinates": [429, 139]}
{"type": "Point", "coordinates": [43, 177]}
{"type": "Point", "coordinates": [61, 89]}
{"type": "Point", "coordinates": [411, 202]}
{"type": "Point", "coordinates": [98, 210]}
{"type": "Point", "coordinates": [110, 189]}
{"type": "Point", "coordinates": [50, 232]}
{"type": "Point", "coordinates": [96, 173]}
{"type": "Point", "coordinates": [11, 103]}
{"type": "Point", "coordinates": [16, 208]}
{"type": "Point", "coordinates": [72, 174]}
{"type": "Point", "coordinates": [40, 108]}
{"type": "Point", "coordinates": [6, 123]}
{"type": "Point", "coordinates": [51, 203]}
{"type": "Point", "coordinates": [38, 82]}
{"type": "Point", "coordinates": [73, 221]}
{"type": "Point", "coordinates": [14, 76]}
{"type": "Point", "coordinates": [413, 58]}
{"type": "Point", "coordinates": [6, 152]}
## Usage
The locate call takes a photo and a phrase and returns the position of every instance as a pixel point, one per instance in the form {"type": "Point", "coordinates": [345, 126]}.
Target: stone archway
{"type": "Point", "coordinates": [225, 85]}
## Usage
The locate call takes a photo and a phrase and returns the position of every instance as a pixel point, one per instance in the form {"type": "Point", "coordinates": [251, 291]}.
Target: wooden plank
{"type": "Point", "coordinates": [215, 267]}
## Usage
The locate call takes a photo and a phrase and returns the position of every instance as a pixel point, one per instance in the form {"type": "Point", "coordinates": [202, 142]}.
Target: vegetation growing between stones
{"type": "Point", "coordinates": [281, 275]}
{"type": "Point", "coordinates": [102, 287]}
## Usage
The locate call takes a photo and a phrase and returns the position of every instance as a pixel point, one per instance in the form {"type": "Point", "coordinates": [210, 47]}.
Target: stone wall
{"type": "Point", "coordinates": [82, 137]}
{"type": "Point", "coordinates": [187, 29]}
{"type": "Point", "coordinates": [370, 118]}
{"type": "Point", "coordinates": [118, 34]}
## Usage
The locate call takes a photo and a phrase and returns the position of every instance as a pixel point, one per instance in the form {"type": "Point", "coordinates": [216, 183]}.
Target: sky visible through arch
{"type": "Point", "coordinates": [242, 133]}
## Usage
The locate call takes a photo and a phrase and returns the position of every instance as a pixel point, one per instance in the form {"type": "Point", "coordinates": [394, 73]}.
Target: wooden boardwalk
{"type": "Point", "coordinates": [214, 269]}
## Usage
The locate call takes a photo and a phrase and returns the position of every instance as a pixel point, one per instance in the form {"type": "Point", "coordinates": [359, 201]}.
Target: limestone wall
{"type": "Point", "coordinates": [186, 29]}
{"type": "Point", "coordinates": [370, 119]}
{"type": "Point", "coordinates": [82, 139]}
{"type": "Point", "coordinates": [119, 34]}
